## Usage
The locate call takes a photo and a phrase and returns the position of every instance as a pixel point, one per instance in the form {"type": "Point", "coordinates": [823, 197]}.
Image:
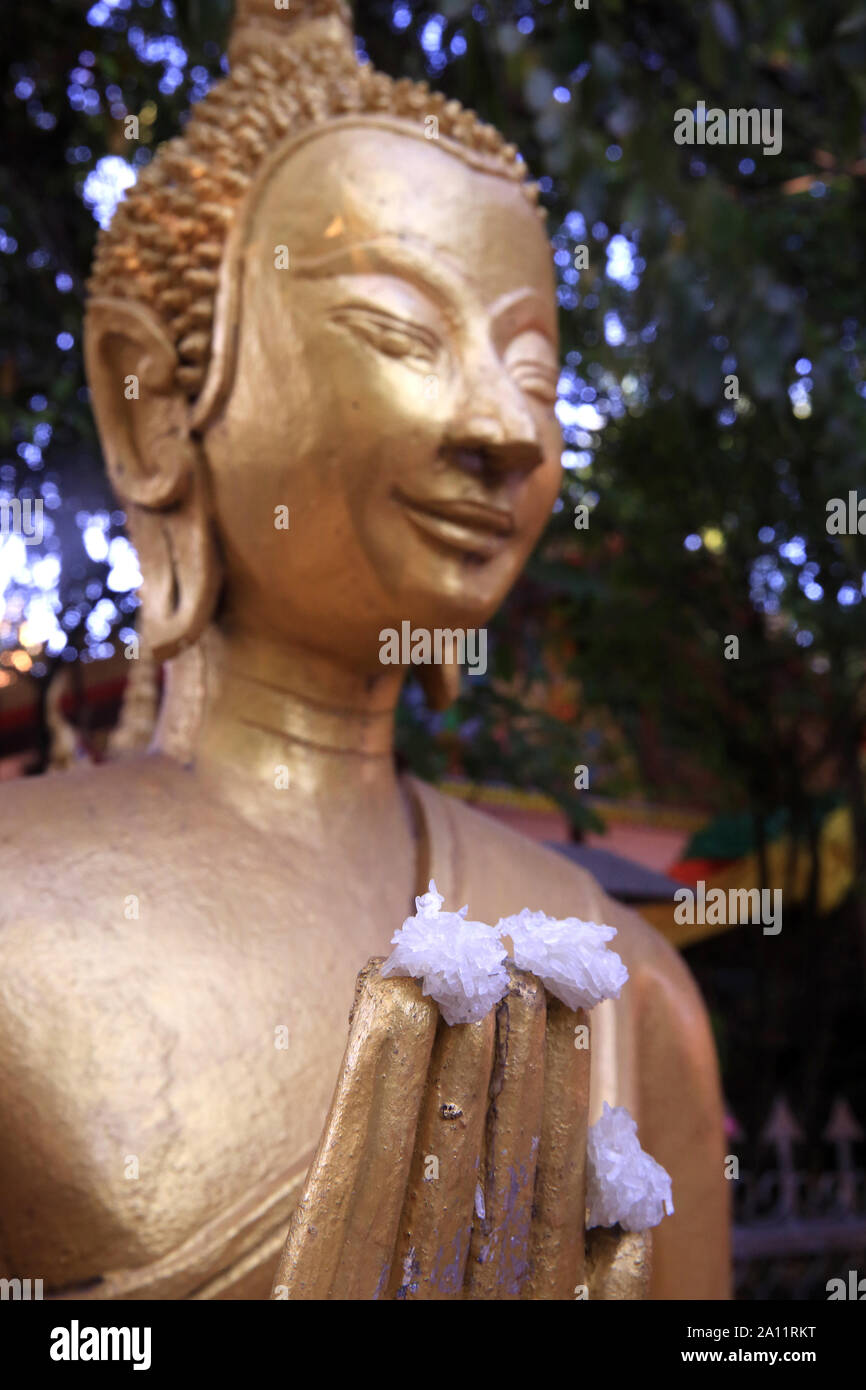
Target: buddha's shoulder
{"type": "Point", "coordinates": [501, 871]}
{"type": "Point", "coordinates": [64, 815]}
{"type": "Point", "coordinates": [71, 842]}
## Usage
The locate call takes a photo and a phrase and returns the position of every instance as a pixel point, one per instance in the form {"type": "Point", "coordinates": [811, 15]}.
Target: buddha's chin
{"type": "Point", "coordinates": [444, 587]}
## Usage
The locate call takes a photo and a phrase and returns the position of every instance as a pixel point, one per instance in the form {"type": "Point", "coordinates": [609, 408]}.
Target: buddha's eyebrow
{"type": "Point", "coordinates": [518, 310]}
{"type": "Point", "coordinates": [386, 258]}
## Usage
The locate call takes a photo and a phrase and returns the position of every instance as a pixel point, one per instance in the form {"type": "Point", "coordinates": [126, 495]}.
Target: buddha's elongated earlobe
{"type": "Point", "coordinates": [440, 683]}
{"type": "Point", "coordinates": [178, 556]}
{"type": "Point", "coordinates": [156, 468]}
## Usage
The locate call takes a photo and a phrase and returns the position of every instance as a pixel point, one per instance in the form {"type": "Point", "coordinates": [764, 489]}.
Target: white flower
{"type": "Point", "coordinates": [568, 955]}
{"type": "Point", "coordinates": [460, 964]}
{"type": "Point", "coordinates": [624, 1185]}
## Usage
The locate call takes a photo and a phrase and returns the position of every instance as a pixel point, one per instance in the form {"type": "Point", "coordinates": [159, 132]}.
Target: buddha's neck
{"type": "Point", "coordinates": [270, 725]}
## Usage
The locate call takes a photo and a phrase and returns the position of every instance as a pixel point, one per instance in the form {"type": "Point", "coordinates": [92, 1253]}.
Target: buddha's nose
{"type": "Point", "coordinates": [494, 432]}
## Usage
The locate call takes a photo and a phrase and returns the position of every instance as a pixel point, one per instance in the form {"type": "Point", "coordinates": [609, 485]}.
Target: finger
{"type": "Point", "coordinates": [436, 1225]}
{"type": "Point", "coordinates": [498, 1257]}
{"type": "Point", "coordinates": [557, 1247]}
{"type": "Point", "coordinates": [342, 1233]}
{"type": "Point", "coordinates": [618, 1264]}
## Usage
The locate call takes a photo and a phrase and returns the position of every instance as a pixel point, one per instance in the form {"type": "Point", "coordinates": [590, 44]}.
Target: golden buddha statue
{"type": "Point", "coordinates": [321, 346]}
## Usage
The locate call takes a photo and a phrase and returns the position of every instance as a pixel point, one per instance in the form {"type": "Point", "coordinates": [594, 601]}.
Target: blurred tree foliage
{"type": "Point", "coordinates": [706, 514]}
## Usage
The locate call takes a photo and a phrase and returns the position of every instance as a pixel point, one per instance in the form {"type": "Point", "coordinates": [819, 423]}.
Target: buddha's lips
{"type": "Point", "coordinates": [475, 517]}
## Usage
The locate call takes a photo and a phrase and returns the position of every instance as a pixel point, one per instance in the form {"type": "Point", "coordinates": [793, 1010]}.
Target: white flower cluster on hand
{"type": "Point", "coordinates": [462, 964]}
{"type": "Point", "coordinates": [569, 955]}
{"type": "Point", "coordinates": [624, 1185]}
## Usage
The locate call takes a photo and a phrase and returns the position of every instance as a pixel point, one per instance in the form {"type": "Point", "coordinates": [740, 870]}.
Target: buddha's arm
{"type": "Point", "coordinates": [681, 1125]}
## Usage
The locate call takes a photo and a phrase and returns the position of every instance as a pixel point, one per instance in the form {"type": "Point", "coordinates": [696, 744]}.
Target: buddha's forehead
{"type": "Point", "coordinates": [361, 185]}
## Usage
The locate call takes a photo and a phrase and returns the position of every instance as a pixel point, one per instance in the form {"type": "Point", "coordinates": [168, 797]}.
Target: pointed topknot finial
{"type": "Point", "coordinates": [259, 24]}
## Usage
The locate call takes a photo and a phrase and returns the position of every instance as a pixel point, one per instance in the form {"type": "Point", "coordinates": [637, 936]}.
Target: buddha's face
{"type": "Point", "coordinates": [394, 389]}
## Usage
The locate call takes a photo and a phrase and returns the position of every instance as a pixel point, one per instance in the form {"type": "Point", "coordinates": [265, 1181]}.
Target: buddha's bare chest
{"type": "Point", "coordinates": [167, 1070]}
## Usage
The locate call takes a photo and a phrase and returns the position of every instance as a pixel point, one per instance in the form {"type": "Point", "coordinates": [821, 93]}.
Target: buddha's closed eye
{"type": "Point", "coordinates": [536, 379]}
{"type": "Point", "coordinates": [396, 337]}
{"type": "Point", "coordinates": [532, 363]}
{"type": "Point", "coordinates": [421, 347]}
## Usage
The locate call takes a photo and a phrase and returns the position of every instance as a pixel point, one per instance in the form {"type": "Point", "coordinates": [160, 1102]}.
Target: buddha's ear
{"type": "Point", "coordinates": [140, 414]}
{"type": "Point", "coordinates": [155, 467]}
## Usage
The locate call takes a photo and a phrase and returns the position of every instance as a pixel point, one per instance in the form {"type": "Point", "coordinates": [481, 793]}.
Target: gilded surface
{"type": "Point", "coordinates": [177, 965]}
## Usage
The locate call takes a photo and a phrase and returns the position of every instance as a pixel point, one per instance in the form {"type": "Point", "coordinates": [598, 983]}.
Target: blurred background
{"type": "Point", "coordinates": [713, 402]}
